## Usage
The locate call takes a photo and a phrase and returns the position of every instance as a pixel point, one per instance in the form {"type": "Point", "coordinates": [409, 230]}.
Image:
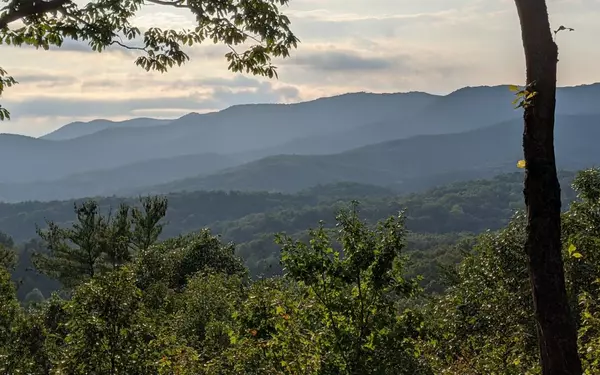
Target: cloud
{"type": "Point", "coordinates": [238, 81]}
{"type": "Point", "coordinates": [263, 93]}
{"type": "Point", "coordinates": [373, 66]}
{"type": "Point", "coordinates": [341, 61]}
{"type": "Point", "coordinates": [45, 79]}
{"type": "Point", "coordinates": [218, 93]}
{"type": "Point", "coordinates": [79, 46]}
{"type": "Point", "coordinates": [52, 107]}
{"type": "Point", "coordinates": [70, 45]}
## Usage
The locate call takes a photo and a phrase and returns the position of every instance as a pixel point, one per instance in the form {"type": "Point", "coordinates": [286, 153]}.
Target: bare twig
{"type": "Point", "coordinates": [233, 50]}
{"type": "Point", "coordinates": [562, 28]}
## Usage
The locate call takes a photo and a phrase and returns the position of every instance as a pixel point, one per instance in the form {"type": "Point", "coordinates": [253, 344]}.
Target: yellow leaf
{"type": "Point", "coordinates": [533, 94]}
{"type": "Point", "coordinates": [513, 88]}
{"type": "Point", "coordinates": [521, 164]}
{"type": "Point", "coordinates": [572, 248]}
{"type": "Point", "coordinates": [577, 255]}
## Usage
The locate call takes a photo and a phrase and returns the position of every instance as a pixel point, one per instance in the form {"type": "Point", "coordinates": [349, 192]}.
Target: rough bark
{"type": "Point", "coordinates": [556, 329]}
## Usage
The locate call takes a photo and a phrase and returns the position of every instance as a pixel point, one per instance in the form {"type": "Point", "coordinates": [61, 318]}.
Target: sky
{"type": "Point", "coordinates": [435, 46]}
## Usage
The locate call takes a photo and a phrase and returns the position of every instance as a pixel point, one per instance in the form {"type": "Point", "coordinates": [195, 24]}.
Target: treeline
{"type": "Point", "coordinates": [467, 206]}
{"type": "Point", "coordinates": [435, 220]}
{"type": "Point", "coordinates": [134, 304]}
{"type": "Point", "coordinates": [437, 217]}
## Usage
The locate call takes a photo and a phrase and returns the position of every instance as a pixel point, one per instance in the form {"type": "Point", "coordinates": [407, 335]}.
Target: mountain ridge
{"type": "Point", "coordinates": [248, 133]}
{"type": "Point", "coordinates": [396, 163]}
{"type": "Point", "coordinates": [78, 129]}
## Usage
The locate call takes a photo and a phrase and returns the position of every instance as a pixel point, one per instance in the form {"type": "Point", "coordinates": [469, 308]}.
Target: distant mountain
{"type": "Point", "coordinates": [233, 130]}
{"type": "Point", "coordinates": [78, 129]}
{"type": "Point", "coordinates": [406, 164]}
{"type": "Point", "coordinates": [99, 154]}
{"type": "Point", "coordinates": [462, 110]}
{"type": "Point", "coordinates": [107, 182]}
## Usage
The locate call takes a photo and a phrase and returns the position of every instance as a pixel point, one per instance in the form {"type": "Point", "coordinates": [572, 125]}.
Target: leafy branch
{"type": "Point", "coordinates": [524, 96]}
{"type": "Point", "coordinates": [5, 81]}
{"type": "Point", "coordinates": [257, 24]}
{"type": "Point", "coordinates": [523, 99]}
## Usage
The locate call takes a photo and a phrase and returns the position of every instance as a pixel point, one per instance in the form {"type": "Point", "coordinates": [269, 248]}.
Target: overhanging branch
{"type": "Point", "coordinates": [119, 43]}
{"type": "Point", "coordinates": [30, 10]}
{"type": "Point", "coordinates": [175, 3]}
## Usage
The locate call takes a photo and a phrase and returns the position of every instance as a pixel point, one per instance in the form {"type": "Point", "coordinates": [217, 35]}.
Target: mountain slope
{"type": "Point", "coordinates": [466, 109]}
{"type": "Point", "coordinates": [79, 129]}
{"type": "Point", "coordinates": [251, 132]}
{"type": "Point", "coordinates": [407, 164]}
{"type": "Point", "coordinates": [108, 182]}
{"type": "Point", "coordinates": [236, 129]}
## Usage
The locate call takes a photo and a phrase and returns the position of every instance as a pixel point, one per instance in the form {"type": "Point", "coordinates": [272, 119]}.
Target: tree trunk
{"type": "Point", "coordinates": [556, 329]}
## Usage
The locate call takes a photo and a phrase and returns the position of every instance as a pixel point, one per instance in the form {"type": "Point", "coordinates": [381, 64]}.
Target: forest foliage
{"type": "Point", "coordinates": [346, 302]}
{"type": "Point", "coordinates": [435, 221]}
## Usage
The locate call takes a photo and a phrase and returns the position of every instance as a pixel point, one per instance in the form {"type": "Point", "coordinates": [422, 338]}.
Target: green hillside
{"type": "Point", "coordinates": [436, 218]}
{"type": "Point", "coordinates": [465, 206]}
{"type": "Point", "coordinates": [199, 277]}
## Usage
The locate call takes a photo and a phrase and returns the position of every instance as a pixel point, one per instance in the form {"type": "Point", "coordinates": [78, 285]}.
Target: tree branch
{"type": "Point", "coordinates": [176, 3]}
{"type": "Point", "coordinates": [126, 46]}
{"type": "Point", "coordinates": [30, 10]}
{"type": "Point", "coordinates": [241, 30]}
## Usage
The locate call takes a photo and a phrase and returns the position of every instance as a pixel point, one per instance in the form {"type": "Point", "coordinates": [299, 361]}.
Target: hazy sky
{"type": "Point", "coordinates": [346, 45]}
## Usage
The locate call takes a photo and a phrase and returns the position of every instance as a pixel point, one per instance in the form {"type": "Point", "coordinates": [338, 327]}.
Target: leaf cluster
{"type": "Point", "coordinates": [524, 96]}
{"type": "Point", "coordinates": [255, 31]}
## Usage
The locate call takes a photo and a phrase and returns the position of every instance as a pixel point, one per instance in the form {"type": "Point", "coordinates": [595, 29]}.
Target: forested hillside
{"type": "Point", "coordinates": [436, 218]}
{"type": "Point", "coordinates": [187, 302]}
{"type": "Point", "coordinates": [466, 206]}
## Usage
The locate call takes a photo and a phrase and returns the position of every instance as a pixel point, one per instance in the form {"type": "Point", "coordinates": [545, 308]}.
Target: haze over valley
{"type": "Point", "coordinates": [402, 141]}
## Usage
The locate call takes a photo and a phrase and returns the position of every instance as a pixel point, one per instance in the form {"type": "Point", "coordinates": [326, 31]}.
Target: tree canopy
{"type": "Point", "coordinates": [344, 305]}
